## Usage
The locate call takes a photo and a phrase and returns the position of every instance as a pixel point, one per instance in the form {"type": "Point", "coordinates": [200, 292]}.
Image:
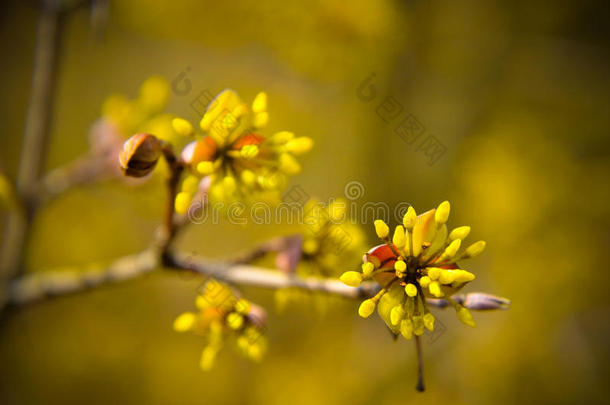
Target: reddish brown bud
{"type": "Point", "coordinates": [140, 155]}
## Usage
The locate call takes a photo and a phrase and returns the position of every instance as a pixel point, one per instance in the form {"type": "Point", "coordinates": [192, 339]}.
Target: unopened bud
{"type": "Point", "coordinates": [140, 155]}
{"type": "Point", "coordinates": [381, 228]}
{"type": "Point", "coordinates": [366, 308]}
{"type": "Point", "coordinates": [442, 212]}
{"type": "Point", "coordinates": [351, 278]}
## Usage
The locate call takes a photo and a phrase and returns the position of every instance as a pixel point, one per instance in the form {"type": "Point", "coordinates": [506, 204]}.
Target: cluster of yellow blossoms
{"type": "Point", "coordinates": [418, 262]}
{"type": "Point", "coordinates": [143, 113]}
{"type": "Point", "coordinates": [240, 162]}
{"type": "Point", "coordinates": [329, 242]}
{"type": "Point", "coordinates": [221, 314]}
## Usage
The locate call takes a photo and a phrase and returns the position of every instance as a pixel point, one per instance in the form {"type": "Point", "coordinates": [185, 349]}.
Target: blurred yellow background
{"type": "Point", "coordinates": [517, 94]}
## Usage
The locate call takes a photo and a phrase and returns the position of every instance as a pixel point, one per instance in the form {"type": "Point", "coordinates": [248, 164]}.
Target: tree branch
{"type": "Point", "coordinates": [34, 139]}
{"type": "Point", "coordinates": [47, 284]}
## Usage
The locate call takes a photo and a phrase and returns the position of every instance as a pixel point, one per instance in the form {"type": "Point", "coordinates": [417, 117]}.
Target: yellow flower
{"type": "Point", "coordinates": [329, 244]}
{"type": "Point", "coordinates": [222, 314]}
{"type": "Point", "coordinates": [420, 262]}
{"type": "Point", "coordinates": [233, 146]}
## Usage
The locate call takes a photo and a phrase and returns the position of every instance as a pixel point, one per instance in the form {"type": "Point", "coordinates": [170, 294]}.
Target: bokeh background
{"type": "Point", "coordinates": [517, 93]}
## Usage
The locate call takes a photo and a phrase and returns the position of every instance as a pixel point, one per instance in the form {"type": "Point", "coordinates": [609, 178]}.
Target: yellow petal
{"type": "Point", "coordinates": [423, 231]}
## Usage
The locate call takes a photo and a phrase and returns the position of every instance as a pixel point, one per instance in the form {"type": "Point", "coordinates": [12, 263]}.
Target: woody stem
{"type": "Point", "coordinates": [420, 365]}
{"type": "Point", "coordinates": [169, 225]}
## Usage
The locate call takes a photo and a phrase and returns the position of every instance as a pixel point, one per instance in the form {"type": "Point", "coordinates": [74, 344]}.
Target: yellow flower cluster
{"type": "Point", "coordinates": [329, 243]}
{"type": "Point", "coordinates": [417, 262]}
{"type": "Point", "coordinates": [221, 314]}
{"type": "Point", "coordinates": [328, 239]}
{"type": "Point", "coordinates": [142, 113]}
{"type": "Point", "coordinates": [239, 160]}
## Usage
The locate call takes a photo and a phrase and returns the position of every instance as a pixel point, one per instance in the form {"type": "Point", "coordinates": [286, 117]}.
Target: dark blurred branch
{"type": "Point", "coordinates": [48, 284]}
{"type": "Point", "coordinates": [82, 171]}
{"type": "Point", "coordinates": [36, 130]}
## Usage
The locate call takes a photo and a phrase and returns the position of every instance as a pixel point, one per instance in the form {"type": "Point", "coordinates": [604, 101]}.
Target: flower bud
{"type": "Point", "coordinates": [400, 266]}
{"type": "Point", "coordinates": [464, 316]}
{"type": "Point", "coordinates": [434, 272]}
{"type": "Point", "coordinates": [406, 328]}
{"type": "Point", "coordinates": [399, 237]}
{"type": "Point", "coordinates": [260, 119]}
{"type": "Point", "coordinates": [248, 177]}
{"type": "Point", "coordinates": [396, 314]}
{"type": "Point", "coordinates": [288, 164]}
{"type": "Point", "coordinates": [475, 249]}
{"type": "Point", "coordinates": [182, 126]}
{"type": "Point", "coordinates": [410, 218]}
{"type": "Point", "coordinates": [207, 358]}
{"type": "Point", "coordinates": [435, 289]}
{"type": "Point", "coordinates": [381, 229]}
{"type": "Point", "coordinates": [140, 155]}
{"type": "Point", "coordinates": [367, 269]}
{"type": "Point", "coordinates": [482, 301]}
{"type": "Point", "coordinates": [366, 308]}
{"type": "Point", "coordinates": [299, 145]}
{"type": "Point", "coordinates": [429, 321]}
{"type": "Point", "coordinates": [260, 103]}
{"type": "Point", "coordinates": [411, 290]}
{"type": "Point", "coordinates": [459, 233]}
{"type": "Point", "coordinates": [424, 281]}
{"type": "Point", "coordinates": [447, 276]}
{"type": "Point", "coordinates": [442, 212]}
{"type": "Point", "coordinates": [183, 202]}
{"type": "Point", "coordinates": [452, 249]}
{"type": "Point", "coordinates": [184, 322]}
{"type": "Point", "coordinates": [351, 278]}
{"type": "Point", "coordinates": [281, 137]}
{"type": "Point", "coordinates": [463, 276]}
{"type": "Point", "coordinates": [235, 320]}
{"type": "Point", "coordinates": [418, 325]}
